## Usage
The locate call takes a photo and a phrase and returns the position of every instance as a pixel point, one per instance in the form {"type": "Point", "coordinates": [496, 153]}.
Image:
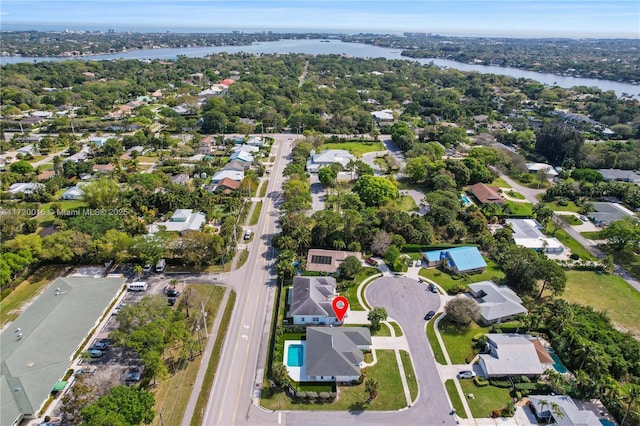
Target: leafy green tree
{"type": "Point", "coordinates": [279, 374]}
{"type": "Point", "coordinates": [374, 190]}
{"type": "Point", "coordinates": [21, 167]}
{"type": "Point", "coordinates": [123, 405]}
{"type": "Point", "coordinates": [623, 233]}
{"type": "Point", "coordinates": [377, 315]}
{"type": "Point", "coordinates": [350, 267]}
{"type": "Point", "coordinates": [462, 310]}
{"type": "Point", "coordinates": [327, 176]}
{"type": "Point", "coordinates": [102, 194]}
{"type": "Point", "coordinates": [552, 276]}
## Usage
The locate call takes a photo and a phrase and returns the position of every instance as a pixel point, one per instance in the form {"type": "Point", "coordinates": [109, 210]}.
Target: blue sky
{"type": "Point", "coordinates": [543, 18]}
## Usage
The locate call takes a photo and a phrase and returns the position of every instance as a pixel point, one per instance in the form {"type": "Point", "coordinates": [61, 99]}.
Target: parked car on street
{"type": "Point", "coordinates": [172, 292]}
{"type": "Point", "coordinates": [433, 288]}
{"type": "Point", "coordinates": [95, 353]}
{"type": "Point", "coordinates": [371, 261]}
{"type": "Point", "coordinates": [100, 345]}
{"type": "Point", "coordinates": [429, 315]}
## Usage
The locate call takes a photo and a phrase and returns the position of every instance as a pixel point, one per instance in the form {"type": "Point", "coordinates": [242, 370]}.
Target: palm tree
{"type": "Point", "coordinates": [339, 244]}
{"type": "Point", "coordinates": [279, 374]}
{"type": "Point", "coordinates": [633, 393]}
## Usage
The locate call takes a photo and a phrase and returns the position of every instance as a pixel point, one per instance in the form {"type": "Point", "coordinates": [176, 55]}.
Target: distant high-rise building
{"type": "Point", "coordinates": [111, 30]}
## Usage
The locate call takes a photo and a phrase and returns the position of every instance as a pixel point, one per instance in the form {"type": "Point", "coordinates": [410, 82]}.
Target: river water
{"type": "Point", "coordinates": [358, 50]}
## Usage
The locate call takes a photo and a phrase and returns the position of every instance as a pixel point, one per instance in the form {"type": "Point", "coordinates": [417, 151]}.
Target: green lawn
{"type": "Point", "coordinates": [353, 398]}
{"type": "Point", "coordinates": [515, 194]}
{"type": "Point", "coordinates": [383, 331]}
{"type": "Point", "coordinates": [573, 245]}
{"type": "Point", "coordinates": [592, 235]}
{"type": "Point", "coordinates": [608, 293]}
{"type": "Point", "coordinates": [412, 381]}
{"type": "Point", "coordinates": [628, 260]}
{"type": "Point", "coordinates": [454, 396]}
{"type": "Point", "coordinates": [499, 182]}
{"type": "Point", "coordinates": [396, 328]}
{"type": "Point", "coordinates": [172, 394]}
{"type": "Point", "coordinates": [486, 398]}
{"type": "Point", "coordinates": [351, 293]}
{"type": "Point", "coordinates": [448, 281]}
{"type": "Point", "coordinates": [458, 341]}
{"type": "Point", "coordinates": [522, 209]}
{"type": "Point", "coordinates": [255, 216]}
{"type": "Point", "coordinates": [433, 341]}
{"type": "Point", "coordinates": [407, 204]}
{"type": "Point", "coordinates": [263, 189]}
{"type": "Point", "coordinates": [355, 148]}
{"type": "Point", "coordinates": [571, 219]}
{"type": "Point", "coordinates": [12, 304]}
{"type": "Point", "coordinates": [570, 207]}
{"type": "Point", "coordinates": [64, 205]}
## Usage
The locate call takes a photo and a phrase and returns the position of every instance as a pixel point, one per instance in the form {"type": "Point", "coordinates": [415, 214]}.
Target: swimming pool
{"type": "Point", "coordinates": [465, 200]}
{"type": "Point", "coordinates": [295, 355]}
{"type": "Point", "coordinates": [557, 365]}
{"type": "Point", "coordinates": [606, 422]}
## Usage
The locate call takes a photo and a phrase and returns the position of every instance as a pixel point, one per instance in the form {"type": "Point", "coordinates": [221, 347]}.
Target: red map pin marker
{"type": "Point", "coordinates": [340, 306]}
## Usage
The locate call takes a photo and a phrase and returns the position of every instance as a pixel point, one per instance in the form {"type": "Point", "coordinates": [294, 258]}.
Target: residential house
{"type": "Point", "coordinates": [226, 186]}
{"type": "Point", "coordinates": [310, 301]}
{"type": "Point", "coordinates": [181, 179]}
{"type": "Point", "coordinates": [513, 355]}
{"type": "Point", "coordinates": [335, 354]}
{"type": "Point", "coordinates": [181, 220]}
{"type": "Point", "coordinates": [99, 140]}
{"type": "Point", "coordinates": [328, 157]}
{"type": "Point", "coordinates": [528, 233]}
{"type": "Point", "coordinates": [231, 174]}
{"type": "Point", "coordinates": [605, 213]}
{"type": "Point", "coordinates": [206, 145]}
{"type": "Point", "coordinates": [242, 156]}
{"type": "Point", "coordinates": [536, 167]}
{"type": "Point", "coordinates": [237, 165]}
{"type": "Point", "coordinates": [46, 175]}
{"type": "Point", "coordinates": [619, 175]}
{"type": "Point", "coordinates": [247, 148]}
{"type": "Point", "coordinates": [103, 168]}
{"type": "Point", "coordinates": [328, 261]}
{"type": "Point", "coordinates": [28, 150]}
{"type": "Point", "coordinates": [459, 260]}
{"type": "Point", "coordinates": [81, 155]}
{"type": "Point", "coordinates": [255, 141]}
{"type": "Point", "coordinates": [497, 303]}
{"type": "Point", "coordinates": [385, 115]}
{"type": "Point", "coordinates": [73, 193]}
{"type": "Point", "coordinates": [487, 194]}
{"type": "Point", "coordinates": [25, 188]}
{"type": "Point", "coordinates": [561, 410]}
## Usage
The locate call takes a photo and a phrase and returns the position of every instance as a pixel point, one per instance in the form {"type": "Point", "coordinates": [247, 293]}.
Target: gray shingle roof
{"type": "Point", "coordinates": [496, 302]}
{"type": "Point", "coordinates": [334, 351]}
{"type": "Point", "coordinates": [312, 296]}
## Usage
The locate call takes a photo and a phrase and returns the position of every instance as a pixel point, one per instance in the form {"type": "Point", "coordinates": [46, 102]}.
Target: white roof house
{"type": "Point", "coordinates": [27, 150]}
{"type": "Point", "coordinates": [527, 233]}
{"type": "Point", "coordinates": [325, 158]}
{"type": "Point", "coordinates": [497, 303]}
{"type": "Point", "coordinates": [231, 174]}
{"type": "Point", "coordinates": [536, 167]}
{"type": "Point", "coordinates": [242, 156]}
{"type": "Point", "coordinates": [255, 141]}
{"type": "Point", "coordinates": [73, 193]}
{"type": "Point", "coordinates": [246, 148]}
{"type": "Point", "coordinates": [384, 115]}
{"type": "Point", "coordinates": [511, 355]}
{"type": "Point", "coordinates": [25, 188]}
{"type": "Point", "coordinates": [181, 220]}
{"type": "Point", "coordinates": [80, 155]}
{"type": "Point", "coordinates": [561, 410]}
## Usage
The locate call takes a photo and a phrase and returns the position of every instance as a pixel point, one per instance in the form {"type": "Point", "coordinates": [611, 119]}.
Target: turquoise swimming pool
{"type": "Point", "coordinates": [295, 356]}
{"type": "Point", "coordinates": [606, 422]}
{"type": "Point", "coordinates": [465, 200]}
{"type": "Point", "coordinates": [557, 365]}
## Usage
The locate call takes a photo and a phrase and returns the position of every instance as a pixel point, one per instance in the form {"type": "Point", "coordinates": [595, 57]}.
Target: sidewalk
{"type": "Point", "coordinates": [197, 386]}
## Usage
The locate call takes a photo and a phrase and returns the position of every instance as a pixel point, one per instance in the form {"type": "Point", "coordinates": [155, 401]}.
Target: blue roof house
{"type": "Point", "coordinates": [459, 260]}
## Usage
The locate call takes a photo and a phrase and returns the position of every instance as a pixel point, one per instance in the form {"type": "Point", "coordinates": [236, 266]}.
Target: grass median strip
{"type": "Point", "coordinates": [409, 373]}
{"type": "Point", "coordinates": [263, 188]}
{"type": "Point", "coordinates": [454, 396]}
{"type": "Point", "coordinates": [255, 216]}
{"type": "Point", "coordinates": [433, 341]}
{"type": "Point", "coordinates": [210, 374]}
